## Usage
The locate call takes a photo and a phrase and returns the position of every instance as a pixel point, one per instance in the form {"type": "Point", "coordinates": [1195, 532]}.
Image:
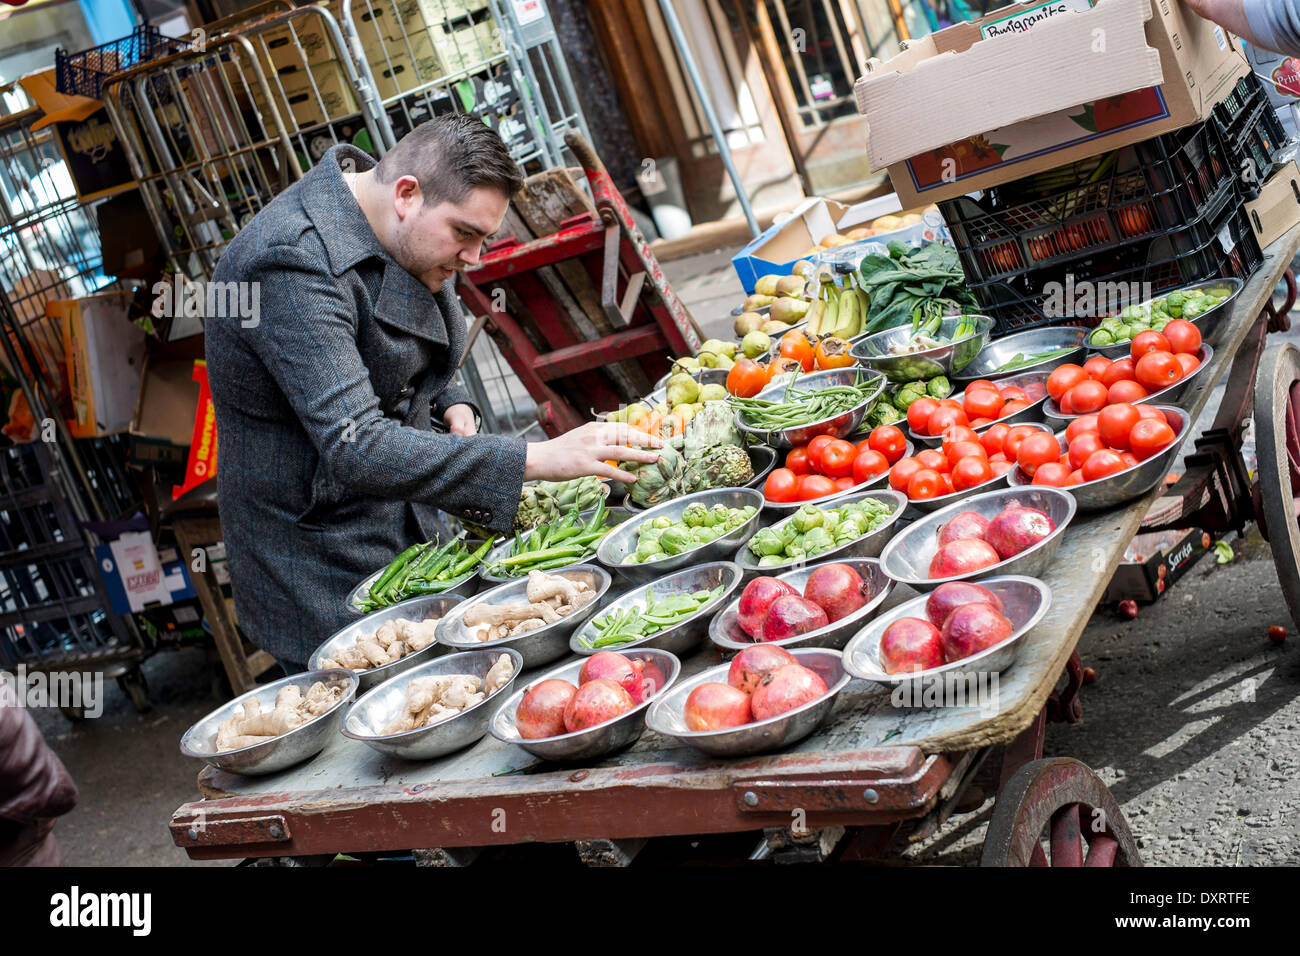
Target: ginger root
{"type": "Point", "coordinates": [498, 674]}
{"type": "Point", "coordinates": [250, 724]}
{"type": "Point", "coordinates": [430, 700]}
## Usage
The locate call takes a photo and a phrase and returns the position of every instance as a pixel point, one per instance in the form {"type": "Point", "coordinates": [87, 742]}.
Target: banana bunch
{"type": "Point", "coordinates": [838, 312]}
{"type": "Point", "coordinates": [546, 501]}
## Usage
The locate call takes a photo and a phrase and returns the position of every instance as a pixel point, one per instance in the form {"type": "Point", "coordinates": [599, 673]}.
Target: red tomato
{"type": "Point", "coordinates": [1037, 449]}
{"type": "Point", "coordinates": [945, 481]}
{"type": "Point", "coordinates": [949, 403]}
{"type": "Point", "coordinates": [1125, 392]}
{"type": "Point", "coordinates": [958, 433]}
{"type": "Point", "coordinates": [981, 383]}
{"type": "Point", "coordinates": [983, 403]}
{"type": "Point", "coordinates": [964, 449]}
{"type": "Point", "coordinates": [1115, 422]}
{"type": "Point", "coordinates": [1084, 423]}
{"type": "Point", "coordinates": [945, 417]}
{"type": "Point", "coordinates": [864, 445]}
{"type": "Point", "coordinates": [1063, 378]}
{"type": "Point", "coordinates": [1128, 458]}
{"type": "Point", "coordinates": [1083, 447]}
{"type": "Point", "coordinates": [970, 471]}
{"type": "Point", "coordinates": [815, 451]}
{"type": "Point", "coordinates": [1013, 393]}
{"type": "Point", "coordinates": [980, 422]}
{"type": "Point", "coordinates": [1148, 341]}
{"type": "Point", "coordinates": [1017, 434]}
{"type": "Point", "coordinates": [993, 438]}
{"type": "Point", "coordinates": [1013, 406]}
{"type": "Point", "coordinates": [918, 414]}
{"type": "Point", "coordinates": [1157, 370]}
{"type": "Point", "coordinates": [1053, 473]}
{"type": "Point", "coordinates": [1183, 336]}
{"type": "Point", "coordinates": [1151, 412]}
{"type": "Point", "coordinates": [1119, 370]}
{"type": "Point", "coordinates": [1100, 464]}
{"type": "Point", "coordinates": [1149, 437]}
{"type": "Point", "coordinates": [1065, 405]}
{"type": "Point", "coordinates": [1096, 366]}
{"type": "Point", "coordinates": [868, 464]}
{"type": "Point", "coordinates": [836, 459]}
{"type": "Point", "coordinates": [1089, 396]}
{"type": "Point", "coordinates": [1000, 467]}
{"type": "Point", "coordinates": [933, 459]}
{"type": "Point", "coordinates": [815, 486]}
{"type": "Point", "coordinates": [844, 484]}
{"type": "Point", "coordinates": [1189, 363]}
{"type": "Point", "coordinates": [797, 460]}
{"type": "Point", "coordinates": [889, 441]}
{"type": "Point", "coordinates": [997, 456]}
{"type": "Point", "coordinates": [781, 485]}
{"type": "Point", "coordinates": [1076, 478]}
{"type": "Point", "coordinates": [924, 484]}
{"type": "Point", "coordinates": [902, 473]}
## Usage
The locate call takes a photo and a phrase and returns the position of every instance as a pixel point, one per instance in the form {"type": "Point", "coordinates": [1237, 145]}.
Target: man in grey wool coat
{"type": "Point", "coordinates": [327, 398]}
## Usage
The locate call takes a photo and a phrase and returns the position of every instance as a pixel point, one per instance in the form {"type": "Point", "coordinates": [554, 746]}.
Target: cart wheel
{"type": "Point", "coordinates": [1277, 444]}
{"type": "Point", "coordinates": [136, 689]}
{"type": "Point", "coordinates": [1063, 797]}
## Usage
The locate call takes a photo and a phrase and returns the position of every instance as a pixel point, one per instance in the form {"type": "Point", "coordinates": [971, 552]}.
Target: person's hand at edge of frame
{"type": "Point", "coordinates": [586, 449]}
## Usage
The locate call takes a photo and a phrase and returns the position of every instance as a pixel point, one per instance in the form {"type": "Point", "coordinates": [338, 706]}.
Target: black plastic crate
{"type": "Point", "coordinates": [83, 73]}
{"type": "Point", "coordinates": [1125, 199]}
{"type": "Point", "coordinates": [1250, 133]}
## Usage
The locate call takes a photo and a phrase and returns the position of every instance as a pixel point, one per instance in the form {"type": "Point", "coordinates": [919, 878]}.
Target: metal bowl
{"type": "Point", "coordinates": [1208, 322]}
{"type": "Point", "coordinates": [705, 376]}
{"type": "Point", "coordinates": [763, 459]}
{"type": "Point", "coordinates": [845, 423]}
{"type": "Point", "coordinates": [873, 351]}
{"type": "Point", "coordinates": [1057, 420]}
{"type": "Point", "coordinates": [301, 743]}
{"type": "Point", "coordinates": [667, 716]}
{"type": "Point", "coordinates": [1035, 386]}
{"type": "Point", "coordinates": [462, 587]}
{"type": "Point", "coordinates": [906, 559]}
{"type": "Point", "coordinates": [868, 546]}
{"type": "Point", "coordinates": [367, 718]}
{"type": "Point", "coordinates": [1000, 351]}
{"type": "Point", "coordinates": [505, 548]}
{"type": "Point", "coordinates": [622, 540]}
{"type": "Point", "coordinates": [682, 637]}
{"type": "Point", "coordinates": [549, 642]}
{"type": "Point", "coordinates": [1131, 482]}
{"type": "Point", "coordinates": [1024, 602]}
{"type": "Point", "coordinates": [662, 669]}
{"type": "Point", "coordinates": [725, 631]}
{"type": "Point", "coordinates": [787, 508]}
{"type": "Point", "coordinates": [431, 606]}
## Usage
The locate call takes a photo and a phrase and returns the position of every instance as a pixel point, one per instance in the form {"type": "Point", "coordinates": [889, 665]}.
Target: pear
{"type": "Point", "coordinates": [708, 359]}
{"type": "Point", "coordinates": [682, 389]}
{"type": "Point", "coordinates": [748, 322]}
{"type": "Point", "coordinates": [767, 285]}
{"type": "Point", "coordinates": [687, 364]}
{"type": "Point", "coordinates": [755, 344]}
{"type": "Point", "coordinates": [792, 286]}
{"type": "Point", "coordinates": [724, 361]}
{"type": "Point", "coordinates": [635, 413]}
{"type": "Point", "coordinates": [803, 268]}
{"type": "Point", "coordinates": [712, 393]}
{"type": "Point", "coordinates": [755, 302]}
{"type": "Point", "coordinates": [790, 311]}
{"type": "Point", "coordinates": [719, 347]}
{"type": "Point", "coordinates": [662, 409]}
{"type": "Point", "coordinates": [774, 327]}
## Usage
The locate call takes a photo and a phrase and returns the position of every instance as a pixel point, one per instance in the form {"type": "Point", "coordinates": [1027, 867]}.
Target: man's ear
{"type": "Point", "coordinates": [407, 197]}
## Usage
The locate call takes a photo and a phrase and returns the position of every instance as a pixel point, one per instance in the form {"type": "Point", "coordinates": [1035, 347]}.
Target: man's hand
{"type": "Point", "coordinates": [585, 450]}
{"type": "Point", "coordinates": [460, 420]}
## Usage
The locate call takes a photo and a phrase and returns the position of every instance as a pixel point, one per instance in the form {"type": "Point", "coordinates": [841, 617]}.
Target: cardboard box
{"type": "Point", "coordinates": [1277, 208]}
{"type": "Point", "coordinates": [105, 351]}
{"type": "Point", "coordinates": [138, 576]}
{"type": "Point", "coordinates": [163, 423]}
{"type": "Point", "coordinates": [960, 110]}
{"type": "Point", "coordinates": [467, 47]}
{"type": "Point", "coordinates": [300, 102]}
{"type": "Point", "coordinates": [1281, 76]}
{"type": "Point", "coordinates": [1154, 561]}
{"type": "Point", "coordinates": [399, 71]}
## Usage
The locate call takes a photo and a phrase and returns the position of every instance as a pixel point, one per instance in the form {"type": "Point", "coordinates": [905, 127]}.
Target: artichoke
{"type": "Point", "coordinates": [653, 477]}
{"type": "Point", "coordinates": [712, 426]}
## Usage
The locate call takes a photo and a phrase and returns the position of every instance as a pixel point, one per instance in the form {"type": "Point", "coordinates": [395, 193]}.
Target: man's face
{"type": "Point", "coordinates": [433, 243]}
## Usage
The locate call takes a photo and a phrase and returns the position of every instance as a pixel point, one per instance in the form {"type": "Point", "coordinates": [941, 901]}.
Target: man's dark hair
{"type": "Point", "coordinates": [451, 155]}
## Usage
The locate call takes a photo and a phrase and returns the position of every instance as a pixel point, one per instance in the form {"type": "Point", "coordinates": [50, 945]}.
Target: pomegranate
{"type": "Point", "coordinates": [962, 556]}
{"type": "Point", "coordinates": [1016, 528]}
{"type": "Point", "coordinates": [837, 589]}
{"type": "Point", "coordinates": [652, 678]}
{"type": "Point", "coordinates": [973, 628]}
{"type": "Point", "coordinates": [785, 689]}
{"type": "Point", "coordinates": [715, 706]}
{"type": "Point", "coordinates": [754, 663]}
{"type": "Point", "coordinates": [615, 667]}
{"type": "Point", "coordinates": [595, 702]}
{"type": "Point", "coordinates": [755, 601]}
{"type": "Point", "coordinates": [791, 615]}
{"type": "Point", "coordinates": [910, 644]}
{"type": "Point", "coordinates": [946, 598]}
{"type": "Point", "coordinates": [541, 712]}
{"type": "Point", "coordinates": [964, 524]}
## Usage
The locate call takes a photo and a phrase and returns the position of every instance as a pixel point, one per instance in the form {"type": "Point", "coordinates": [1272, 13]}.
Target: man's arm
{"type": "Point", "coordinates": [1268, 24]}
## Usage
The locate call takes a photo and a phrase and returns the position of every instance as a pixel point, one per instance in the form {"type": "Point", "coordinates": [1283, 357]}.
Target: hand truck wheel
{"type": "Point", "coordinates": [1277, 446]}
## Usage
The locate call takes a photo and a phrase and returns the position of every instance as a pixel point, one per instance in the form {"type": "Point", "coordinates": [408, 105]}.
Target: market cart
{"type": "Point", "coordinates": [870, 770]}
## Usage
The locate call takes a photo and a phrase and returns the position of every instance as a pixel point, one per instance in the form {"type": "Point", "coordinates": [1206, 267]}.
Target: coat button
{"type": "Point", "coordinates": [487, 516]}
{"type": "Point", "coordinates": [467, 513]}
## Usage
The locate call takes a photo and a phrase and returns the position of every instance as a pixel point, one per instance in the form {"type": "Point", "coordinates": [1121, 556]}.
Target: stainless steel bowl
{"type": "Point", "coordinates": [549, 642]}
{"type": "Point", "coordinates": [845, 423]}
{"type": "Point", "coordinates": [924, 506]}
{"type": "Point", "coordinates": [416, 609]}
{"type": "Point", "coordinates": [1128, 484]}
{"type": "Point", "coordinates": [616, 517]}
{"type": "Point", "coordinates": [461, 587]}
{"type": "Point", "coordinates": [1024, 602]}
{"type": "Point", "coordinates": [1035, 386]}
{"type": "Point", "coordinates": [622, 540]}
{"type": "Point", "coordinates": [682, 637]}
{"type": "Point", "coordinates": [667, 716]}
{"type": "Point", "coordinates": [1208, 322]}
{"type": "Point", "coordinates": [1057, 420]}
{"type": "Point", "coordinates": [725, 631]}
{"type": "Point", "coordinates": [906, 559]}
{"type": "Point", "coordinates": [705, 376]}
{"type": "Point", "coordinates": [763, 459]}
{"type": "Point", "coordinates": [301, 743]}
{"type": "Point", "coordinates": [787, 508]}
{"type": "Point", "coordinates": [873, 351]}
{"type": "Point", "coordinates": [662, 669]}
{"type": "Point", "coordinates": [868, 546]}
{"type": "Point", "coordinates": [1000, 351]}
{"type": "Point", "coordinates": [367, 718]}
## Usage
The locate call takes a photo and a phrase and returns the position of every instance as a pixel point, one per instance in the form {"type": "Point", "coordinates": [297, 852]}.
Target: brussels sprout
{"type": "Point", "coordinates": [818, 540]}
{"type": "Point", "coordinates": [695, 515]}
{"type": "Point", "coordinates": [703, 534]}
{"type": "Point", "coordinates": [909, 393]}
{"type": "Point", "coordinates": [1174, 299]}
{"type": "Point", "coordinates": [793, 552]}
{"type": "Point", "coordinates": [646, 550]}
{"type": "Point", "coordinates": [807, 518]}
{"type": "Point", "coordinates": [771, 561]}
{"type": "Point", "coordinates": [938, 387]}
{"type": "Point", "coordinates": [767, 543]}
{"type": "Point", "coordinates": [1192, 309]}
{"type": "Point", "coordinates": [676, 539]}
{"type": "Point", "coordinates": [718, 516]}
{"type": "Point", "coordinates": [1101, 336]}
{"type": "Point", "coordinates": [662, 522]}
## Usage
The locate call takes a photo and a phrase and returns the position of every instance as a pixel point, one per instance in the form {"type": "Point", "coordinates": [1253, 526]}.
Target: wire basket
{"type": "Point", "coordinates": [84, 73]}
